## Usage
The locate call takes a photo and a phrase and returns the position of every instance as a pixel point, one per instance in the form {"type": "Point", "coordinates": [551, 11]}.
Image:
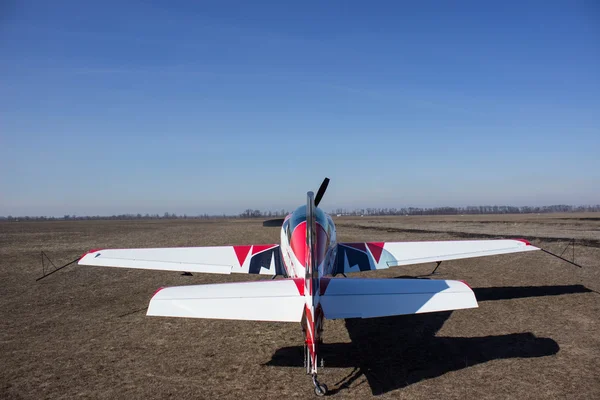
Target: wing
{"type": "Point", "coordinates": [369, 298]}
{"type": "Point", "coordinates": [254, 259]}
{"type": "Point", "coordinates": [270, 300]}
{"type": "Point", "coordinates": [353, 257]}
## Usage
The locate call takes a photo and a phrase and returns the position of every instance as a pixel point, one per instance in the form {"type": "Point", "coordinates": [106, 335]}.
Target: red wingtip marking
{"type": "Point", "coordinates": [300, 285]}
{"type": "Point", "coordinates": [376, 249]}
{"type": "Point", "coordinates": [524, 241]}
{"type": "Point", "coordinates": [88, 252]}
{"type": "Point", "coordinates": [241, 253]}
{"type": "Point", "coordinates": [158, 290]}
{"type": "Point", "coordinates": [469, 286]}
{"type": "Point", "coordinates": [323, 285]}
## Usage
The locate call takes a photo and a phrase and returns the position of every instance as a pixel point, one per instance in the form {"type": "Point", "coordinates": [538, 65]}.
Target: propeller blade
{"type": "Point", "coordinates": [273, 222]}
{"type": "Point", "coordinates": [321, 191]}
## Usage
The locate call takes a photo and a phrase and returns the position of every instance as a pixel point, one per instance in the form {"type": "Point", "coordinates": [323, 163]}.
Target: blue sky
{"type": "Point", "coordinates": [193, 107]}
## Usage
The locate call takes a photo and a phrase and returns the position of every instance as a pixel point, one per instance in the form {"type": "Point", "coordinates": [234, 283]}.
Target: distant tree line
{"type": "Point", "coordinates": [249, 213]}
{"type": "Point", "coordinates": [470, 210]}
{"type": "Point", "coordinates": [112, 217]}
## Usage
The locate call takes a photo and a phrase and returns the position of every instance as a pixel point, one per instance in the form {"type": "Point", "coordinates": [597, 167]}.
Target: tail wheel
{"type": "Point", "coordinates": [320, 389]}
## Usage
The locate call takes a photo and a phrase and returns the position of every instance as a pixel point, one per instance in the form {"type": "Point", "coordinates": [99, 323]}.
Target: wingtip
{"type": "Point", "coordinates": [465, 282]}
{"type": "Point", "coordinates": [89, 252]}
{"type": "Point", "coordinates": [527, 243]}
{"type": "Point", "coordinates": [158, 290]}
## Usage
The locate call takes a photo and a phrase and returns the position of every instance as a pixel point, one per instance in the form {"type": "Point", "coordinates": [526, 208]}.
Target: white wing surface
{"type": "Point", "coordinates": [254, 259]}
{"type": "Point", "coordinates": [271, 300]}
{"type": "Point", "coordinates": [353, 257]}
{"type": "Point", "coordinates": [369, 298]}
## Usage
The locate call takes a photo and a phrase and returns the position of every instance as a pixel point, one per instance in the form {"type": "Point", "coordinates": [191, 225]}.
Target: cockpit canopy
{"type": "Point", "coordinates": [299, 216]}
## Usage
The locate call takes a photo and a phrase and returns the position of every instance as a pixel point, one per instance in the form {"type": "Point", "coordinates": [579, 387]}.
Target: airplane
{"type": "Point", "coordinates": [308, 258]}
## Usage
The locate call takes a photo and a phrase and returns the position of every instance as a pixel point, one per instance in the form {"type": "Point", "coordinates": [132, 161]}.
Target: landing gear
{"type": "Point", "coordinates": [310, 363]}
{"type": "Point", "coordinates": [320, 388]}
{"type": "Point", "coordinates": [306, 360]}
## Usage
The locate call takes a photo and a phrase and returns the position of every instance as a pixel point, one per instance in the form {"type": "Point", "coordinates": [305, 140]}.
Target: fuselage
{"type": "Point", "coordinates": [308, 248]}
{"type": "Point", "coordinates": [294, 247]}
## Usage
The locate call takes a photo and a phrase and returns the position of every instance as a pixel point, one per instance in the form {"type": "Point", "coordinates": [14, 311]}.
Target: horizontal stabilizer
{"type": "Point", "coordinates": [271, 300]}
{"type": "Point", "coordinates": [368, 298]}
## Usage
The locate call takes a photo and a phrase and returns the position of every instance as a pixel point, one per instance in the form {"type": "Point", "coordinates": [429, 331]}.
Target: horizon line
{"type": "Point", "coordinates": [368, 211]}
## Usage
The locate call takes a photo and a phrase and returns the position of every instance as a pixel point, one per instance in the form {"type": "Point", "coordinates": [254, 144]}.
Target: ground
{"type": "Point", "coordinates": [82, 332]}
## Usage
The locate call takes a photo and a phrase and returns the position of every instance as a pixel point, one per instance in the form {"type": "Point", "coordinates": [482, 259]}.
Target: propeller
{"type": "Point", "coordinates": [279, 221]}
{"type": "Point", "coordinates": [321, 191]}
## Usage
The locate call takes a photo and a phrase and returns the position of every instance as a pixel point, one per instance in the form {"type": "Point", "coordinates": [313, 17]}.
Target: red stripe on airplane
{"type": "Point", "coordinates": [310, 339]}
{"type": "Point", "coordinates": [257, 248]}
{"type": "Point", "coordinates": [376, 249]}
{"type": "Point", "coordinates": [309, 319]}
{"type": "Point", "coordinates": [300, 285]}
{"type": "Point", "coordinates": [241, 253]}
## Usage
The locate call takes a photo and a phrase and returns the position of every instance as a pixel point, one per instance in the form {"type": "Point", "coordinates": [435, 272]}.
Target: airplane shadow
{"type": "Point", "coordinates": [519, 292]}
{"type": "Point", "coordinates": [394, 352]}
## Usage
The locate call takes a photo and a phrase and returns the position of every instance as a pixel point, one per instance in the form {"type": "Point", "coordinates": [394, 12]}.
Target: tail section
{"type": "Point", "coordinates": [312, 322]}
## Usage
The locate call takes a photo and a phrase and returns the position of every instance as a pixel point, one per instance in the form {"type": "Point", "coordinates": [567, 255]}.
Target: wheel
{"type": "Point", "coordinates": [321, 389]}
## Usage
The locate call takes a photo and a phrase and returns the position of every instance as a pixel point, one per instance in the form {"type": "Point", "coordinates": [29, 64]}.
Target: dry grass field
{"type": "Point", "coordinates": [83, 333]}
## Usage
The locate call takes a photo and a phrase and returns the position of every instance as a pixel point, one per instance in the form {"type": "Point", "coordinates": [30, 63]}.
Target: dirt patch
{"type": "Point", "coordinates": [83, 331]}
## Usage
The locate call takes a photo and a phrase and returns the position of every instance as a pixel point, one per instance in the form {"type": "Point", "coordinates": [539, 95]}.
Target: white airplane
{"type": "Point", "coordinates": [308, 258]}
